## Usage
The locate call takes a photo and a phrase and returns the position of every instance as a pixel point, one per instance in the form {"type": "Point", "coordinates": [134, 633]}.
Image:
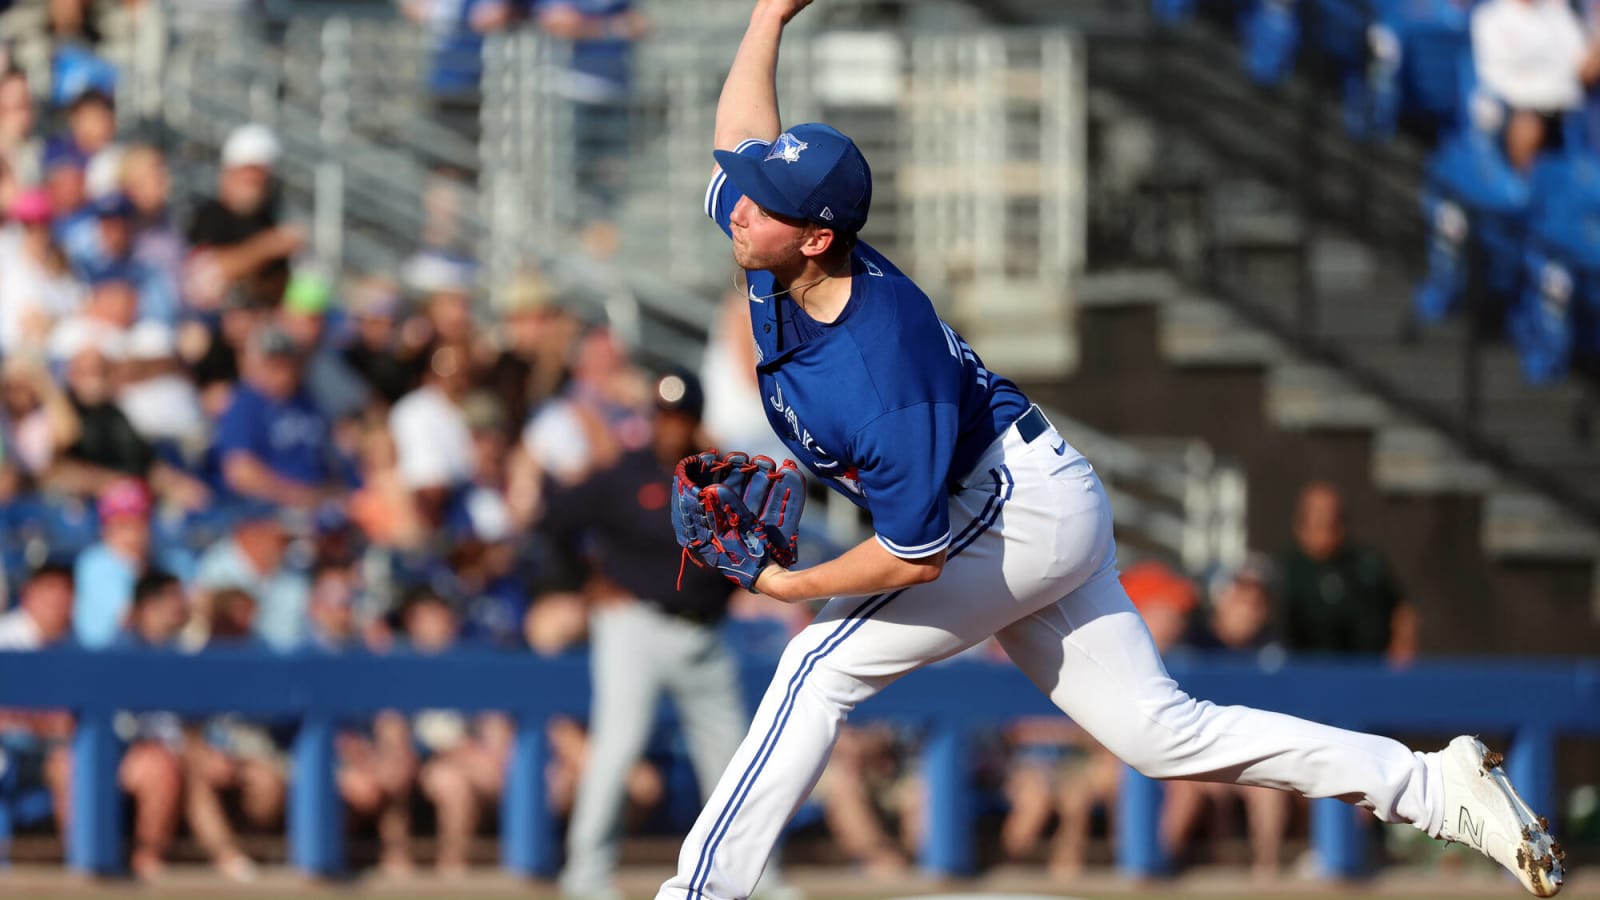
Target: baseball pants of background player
{"type": "Point", "coordinates": [638, 651]}
{"type": "Point", "coordinates": [1032, 561]}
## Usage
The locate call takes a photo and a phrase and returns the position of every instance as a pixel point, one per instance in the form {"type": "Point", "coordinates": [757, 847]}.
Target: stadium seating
{"type": "Point", "coordinates": [1472, 194]}
{"type": "Point", "coordinates": [1550, 321]}
{"type": "Point", "coordinates": [1410, 63]}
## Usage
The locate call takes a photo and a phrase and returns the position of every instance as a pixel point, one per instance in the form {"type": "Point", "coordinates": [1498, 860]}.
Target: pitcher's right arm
{"type": "Point", "coordinates": [748, 107]}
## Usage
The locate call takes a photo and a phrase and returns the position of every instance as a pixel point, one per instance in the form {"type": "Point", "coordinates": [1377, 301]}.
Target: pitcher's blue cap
{"type": "Point", "coordinates": [810, 172]}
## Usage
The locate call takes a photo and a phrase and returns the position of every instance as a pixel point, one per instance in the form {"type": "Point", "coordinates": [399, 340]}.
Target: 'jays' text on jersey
{"type": "Point", "coordinates": [886, 402]}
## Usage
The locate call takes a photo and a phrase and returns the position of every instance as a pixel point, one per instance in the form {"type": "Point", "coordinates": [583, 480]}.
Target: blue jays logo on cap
{"type": "Point", "coordinates": [809, 172]}
{"type": "Point", "coordinates": [787, 148]}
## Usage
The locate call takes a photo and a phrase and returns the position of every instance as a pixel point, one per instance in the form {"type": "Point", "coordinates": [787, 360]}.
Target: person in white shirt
{"type": "Point", "coordinates": [36, 747]}
{"type": "Point", "coordinates": [35, 281]}
{"type": "Point", "coordinates": [44, 611]}
{"type": "Point", "coordinates": [1532, 56]}
{"type": "Point", "coordinates": [157, 396]}
{"type": "Point", "coordinates": [433, 445]}
{"type": "Point", "coordinates": [103, 324]}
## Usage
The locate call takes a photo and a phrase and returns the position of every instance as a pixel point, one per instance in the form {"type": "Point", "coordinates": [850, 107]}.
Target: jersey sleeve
{"type": "Point", "coordinates": [721, 196]}
{"type": "Point", "coordinates": [903, 463]}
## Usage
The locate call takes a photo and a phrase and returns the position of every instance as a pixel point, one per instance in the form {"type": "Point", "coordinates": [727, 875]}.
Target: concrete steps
{"type": "Point", "coordinates": [1200, 341]}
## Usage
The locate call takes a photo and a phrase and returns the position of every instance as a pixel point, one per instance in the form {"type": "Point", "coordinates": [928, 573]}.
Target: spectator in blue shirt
{"type": "Point", "coordinates": [602, 33]}
{"type": "Point", "coordinates": [112, 247]}
{"type": "Point", "coordinates": [456, 31]}
{"type": "Point", "coordinates": [147, 183]}
{"type": "Point", "coordinates": [273, 443]}
{"type": "Point", "coordinates": [65, 168]}
{"type": "Point", "coordinates": [255, 559]}
{"type": "Point", "coordinates": [151, 770]}
{"type": "Point", "coordinates": [105, 573]}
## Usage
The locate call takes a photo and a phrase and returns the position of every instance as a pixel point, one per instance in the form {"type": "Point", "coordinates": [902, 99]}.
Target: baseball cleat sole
{"type": "Point", "coordinates": [1483, 810]}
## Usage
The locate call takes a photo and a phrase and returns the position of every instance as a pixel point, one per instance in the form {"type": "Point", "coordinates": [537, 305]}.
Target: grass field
{"type": "Point", "coordinates": [819, 884]}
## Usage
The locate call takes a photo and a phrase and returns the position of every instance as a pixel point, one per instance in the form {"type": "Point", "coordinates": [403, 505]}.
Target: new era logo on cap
{"type": "Point", "coordinates": [809, 172]}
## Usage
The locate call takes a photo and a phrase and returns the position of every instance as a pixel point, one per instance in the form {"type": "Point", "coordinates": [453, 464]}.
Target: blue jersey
{"type": "Point", "coordinates": [887, 403]}
{"type": "Point", "coordinates": [603, 60]}
{"type": "Point", "coordinates": [291, 437]}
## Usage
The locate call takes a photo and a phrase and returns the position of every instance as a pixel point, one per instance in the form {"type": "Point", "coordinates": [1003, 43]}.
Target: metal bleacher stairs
{"type": "Point", "coordinates": [1262, 241]}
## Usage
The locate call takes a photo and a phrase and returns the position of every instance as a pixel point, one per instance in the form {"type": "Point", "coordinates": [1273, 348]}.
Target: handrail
{"type": "Point", "coordinates": [1537, 700]}
{"type": "Point", "coordinates": [1300, 117]}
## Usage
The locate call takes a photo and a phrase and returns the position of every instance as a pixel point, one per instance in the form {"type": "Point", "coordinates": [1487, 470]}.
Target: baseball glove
{"type": "Point", "coordinates": [736, 513]}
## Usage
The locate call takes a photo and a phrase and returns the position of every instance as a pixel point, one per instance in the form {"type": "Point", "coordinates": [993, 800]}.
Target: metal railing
{"type": "Point", "coordinates": [1294, 137]}
{"type": "Point", "coordinates": [975, 140]}
{"type": "Point", "coordinates": [951, 702]}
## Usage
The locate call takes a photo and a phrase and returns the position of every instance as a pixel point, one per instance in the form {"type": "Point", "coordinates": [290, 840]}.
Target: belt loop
{"type": "Point", "coordinates": [1031, 424]}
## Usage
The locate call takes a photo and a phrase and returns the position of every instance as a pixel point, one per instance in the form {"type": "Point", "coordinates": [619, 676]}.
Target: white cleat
{"type": "Point", "coordinates": [1482, 810]}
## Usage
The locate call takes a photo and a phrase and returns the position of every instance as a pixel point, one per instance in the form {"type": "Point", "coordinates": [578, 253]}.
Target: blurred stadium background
{"type": "Point", "coordinates": [1269, 263]}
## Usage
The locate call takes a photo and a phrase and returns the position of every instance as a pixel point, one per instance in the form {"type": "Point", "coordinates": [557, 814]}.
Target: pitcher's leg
{"type": "Point", "coordinates": [855, 648]}
{"type": "Point", "coordinates": [773, 770]}
{"type": "Point", "coordinates": [1093, 656]}
{"type": "Point", "coordinates": [994, 574]}
{"type": "Point", "coordinates": [704, 685]}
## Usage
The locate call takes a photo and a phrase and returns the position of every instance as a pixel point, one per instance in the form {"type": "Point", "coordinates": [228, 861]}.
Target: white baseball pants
{"type": "Point", "coordinates": [1033, 563]}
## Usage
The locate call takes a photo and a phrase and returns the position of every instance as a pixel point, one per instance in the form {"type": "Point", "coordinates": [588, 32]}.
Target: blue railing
{"type": "Point", "coordinates": [1534, 702]}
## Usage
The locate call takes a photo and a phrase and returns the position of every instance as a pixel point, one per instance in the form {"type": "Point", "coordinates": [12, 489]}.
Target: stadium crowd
{"type": "Point", "coordinates": [207, 439]}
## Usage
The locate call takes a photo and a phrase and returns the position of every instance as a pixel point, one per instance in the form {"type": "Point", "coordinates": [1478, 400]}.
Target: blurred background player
{"type": "Point", "coordinates": [647, 635]}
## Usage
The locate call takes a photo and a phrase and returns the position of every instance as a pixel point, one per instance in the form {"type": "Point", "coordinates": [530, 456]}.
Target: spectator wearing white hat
{"type": "Point", "coordinates": [237, 236]}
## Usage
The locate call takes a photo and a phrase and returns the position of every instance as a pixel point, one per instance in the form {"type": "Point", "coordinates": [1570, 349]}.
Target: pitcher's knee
{"type": "Point", "coordinates": [810, 669]}
{"type": "Point", "coordinates": [1159, 741]}
{"type": "Point", "coordinates": [837, 688]}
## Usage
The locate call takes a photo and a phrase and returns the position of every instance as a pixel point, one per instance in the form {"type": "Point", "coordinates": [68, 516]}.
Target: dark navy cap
{"type": "Point", "coordinates": [114, 272]}
{"type": "Point", "coordinates": [679, 391]}
{"type": "Point", "coordinates": [810, 172]}
{"type": "Point", "coordinates": [59, 152]}
{"type": "Point", "coordinates": [114, 206]}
